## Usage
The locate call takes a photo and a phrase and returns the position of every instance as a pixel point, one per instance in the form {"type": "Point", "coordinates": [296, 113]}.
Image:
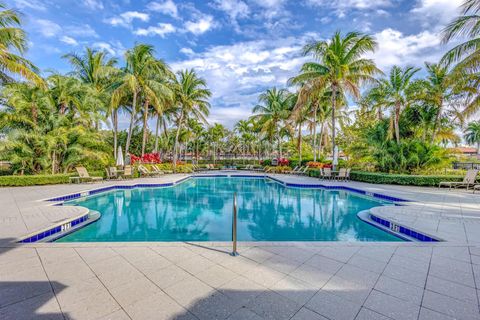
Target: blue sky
{"type": "Point", "coordinates": [241, 47]}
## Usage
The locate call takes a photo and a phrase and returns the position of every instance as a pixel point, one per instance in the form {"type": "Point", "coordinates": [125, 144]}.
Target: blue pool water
{"type": "Point", "coordinates": [200, 209]}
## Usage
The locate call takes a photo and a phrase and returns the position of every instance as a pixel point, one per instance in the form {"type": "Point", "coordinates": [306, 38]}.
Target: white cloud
{"type": "Point", "coordinates": [167, 7]}
{"type": "Point", "coordinates": [162, 29]}
{"type": "Point", "coordinates": [436, 13]}
{"type": "Point", "coordinates": [31, 4]}
{"type": "Point", "coordinates": [125, 19]}
{"type": "Point", "coordinates": [237, 73]}
{"type": "Point", "coordinates": [396, 48]}
{"type": "Point", "coordinates": [69, 40]}
{"type": "Point", "coordinates": [82, 30]}
{"type": "Point", "coordinates": [93, 4]}
{"type": "Point", "coordinates": [343, 6]}
{"type": "Point", "coordinates": [47, 28]}
{"type": "Point", "coordinates": [270, 3]}
{"type": "Point", "coordinates": [201, 25]}
{"type": "Point", "coordinates": [233, 8]}
{"type": "Point", "coordinates": [114, 48]}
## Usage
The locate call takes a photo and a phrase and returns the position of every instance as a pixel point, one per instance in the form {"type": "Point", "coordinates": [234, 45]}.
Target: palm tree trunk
{"type": "Point", "coordinates": [396, 122]}
{"type": "Point", "coordinates": [436, 125]}
{"type": "Point", "coordinates": [115, 132]}
{"type": "Point", "coordinates": [157, 129]}
{"type": "Point", "coordinates": [299, 143]}
{"type": "Point", "coordinates": [132, 122]}
{"type": "Point", "coordinates": [145, 126]}
{"type": "Point", "coordinates": [177, 135]}
{"type": "Point", "coordinates": [334, 104]}
{"type": "Point", "coordinates": [315, 133]}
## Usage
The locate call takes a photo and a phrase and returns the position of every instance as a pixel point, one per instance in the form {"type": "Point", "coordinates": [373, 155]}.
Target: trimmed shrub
{"type": "Point", "coordinates": [21, 181]}
{"type": "Point", "coordinates": [401, 179]}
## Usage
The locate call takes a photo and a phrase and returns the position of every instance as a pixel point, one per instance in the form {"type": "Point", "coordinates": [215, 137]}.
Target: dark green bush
{"type": "Point", "coordinates": [402, 179]}
{"type": "Point", "coordinates": [19, 181]}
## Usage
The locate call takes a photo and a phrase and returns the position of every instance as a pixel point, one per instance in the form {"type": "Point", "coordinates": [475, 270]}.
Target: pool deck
{"type": "Point", "coordinates": [283, 280]}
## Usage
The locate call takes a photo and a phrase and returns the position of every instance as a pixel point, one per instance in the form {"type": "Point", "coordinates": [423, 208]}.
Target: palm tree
{"type": "Point", "coordinates": [472, 134]}
{"type": "Point", "coordinates": [190, 96]}
{"type": "Point", "coordinates": [340, 67]}
{"type": "Point", "coordinates": [12, 37]}
{"type": "Point", "coordinates": [145, 77]}
{"type": "Point", "coordinates": [394, 90]}
{"type": "Point", "coordinates": [272, 112]}
{"type": "Point", "coordinates": [244, 128]}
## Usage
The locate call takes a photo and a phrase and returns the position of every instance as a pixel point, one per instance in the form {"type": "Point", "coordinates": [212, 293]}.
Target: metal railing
{"type": "Point", "coordinates": [234, 226]}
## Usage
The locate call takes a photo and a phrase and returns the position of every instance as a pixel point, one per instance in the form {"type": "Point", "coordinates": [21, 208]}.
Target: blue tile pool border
{"type": "Point", "coordinates": [395, 229]}
{"type": "Point", "coordinates": [170, 184]}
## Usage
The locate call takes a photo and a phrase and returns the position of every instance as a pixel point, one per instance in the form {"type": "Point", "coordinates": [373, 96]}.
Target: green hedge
{"type": "Point", "coordinates": [20, 181]}
{"type": "Point", "coordinates": [402, 179]}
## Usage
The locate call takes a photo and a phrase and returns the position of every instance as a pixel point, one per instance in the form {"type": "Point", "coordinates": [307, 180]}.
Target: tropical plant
{"type": "Point", "coordinates": [472, 134]}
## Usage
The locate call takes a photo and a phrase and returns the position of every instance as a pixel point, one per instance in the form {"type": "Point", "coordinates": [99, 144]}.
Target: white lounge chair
{"type": "Point", "coordinates": [468, 180]}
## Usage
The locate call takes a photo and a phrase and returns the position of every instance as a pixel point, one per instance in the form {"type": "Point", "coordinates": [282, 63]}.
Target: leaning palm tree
{"type": "Point", "coordinates": [472, 134]}
{"type": "Point", "coordinates": [191, 98]}
{"type": "Point", "coordinates": [12, 38]}
{"type": "Point", "coordinates": [340, 66]}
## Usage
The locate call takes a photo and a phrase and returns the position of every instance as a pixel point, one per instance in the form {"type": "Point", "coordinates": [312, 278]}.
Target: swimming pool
{"type": "Point", "coordinates": [200, 209]}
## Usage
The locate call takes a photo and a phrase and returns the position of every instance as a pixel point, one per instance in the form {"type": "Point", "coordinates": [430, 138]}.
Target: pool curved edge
{"type": "Point", "coordinates": [400, 231]}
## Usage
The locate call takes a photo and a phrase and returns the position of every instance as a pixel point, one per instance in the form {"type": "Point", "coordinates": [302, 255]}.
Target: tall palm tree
{"type": "Point", "coordinates": [394, 89]}
{"type": "Point", "coordinates": [143, 77]}
{"type": "Point", "coordinates": [12, 38]}
{"type": "Point", "coordinates": [191, 98]}
{"type": "Point", "coordinates": [244, 128]}
{"type": "Point", "coordinates": [340, 66]}
{"type": "Point", "coordinates": [472, 134]}
{"type": "Point", "coordinates": [272, 112]}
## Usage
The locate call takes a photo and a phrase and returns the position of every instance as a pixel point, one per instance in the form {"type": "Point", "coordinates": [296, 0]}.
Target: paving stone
{"type": "Point", "coordinates": [405, 275]}
{"type": "Point", "coordinates": [188, 291]}
{"type": "Point", "coordinates": [399, 289]}
{"type": "Point", "coordinates": [42, 306]}
{"type": "Point", "coordinates": [214, 306]}
{"type": "Point", "coordinates": [168, 276]}
{"type": "Point", "coordinates": [92, 307]}
{"type": "Point", "coordinates": [216, 276]}
{"type": "Point", "coordinates": [391, 307]}
{"type": "Point", "coordinates": [133, 291]}
{"type": "Point", "coordinates": [174, 254]}
{"type": "Point", "coordinates": [366, 314]}
{"type": "Point", "coordinates": [294, 290]}
{"type": "Point", "coordinates": [16, 291]}
{"type": "Point", "coordinates": [257, 254]}
{"type": "Point", "coordinates": [451, 274]}
{"type": "Point", "coordinates": [281, 264]}
{"type": "Point", "coordinates": [241, 290]}
{"type": "Point", "coordinates": [451, 289]}
{"type": "Point", "coordinates": [415, 253]}
{"type": "Point", "coordinates": [324, 264]}
{"type": "Point", "coordinates": [416, 265]}
{"type": "Point", "coordinates": [117, 315]}
{"type": "Point", "coordinates": [358, 275]}
{"type": "Point", "coordinates": [156, 307]}
{"type": "Point", "coordinates": [377, 253]}
{"type": "Point", "coordinates": [264, 276]}
{"type": "Point", "coordinates": [272, 306]}
{"type": "Point", "coordinates": [195, 264]}
{"type": "Point", "coordinates": [313, 277]}
{"type": "Point", "coordinates": [352, 291]}
{"type": "Point", "coordinates": [306, 314]}
{"type": "Point", "coordinates": [367, 263]}
{"type": "Point", "coordinates": [340, 255]}
{"type": "Point", "coordinates": [239, 265]}
{"type": "Point", "coordinates": [244, 314]}
{"type": "Point", "coordinates": [333, 306]}
{"type": "Point", "coordinates": [450, 306]}
{"type": "Point", "coordinates": [92, 255]}
{"type": "Point", "coordinates": [427, 314]}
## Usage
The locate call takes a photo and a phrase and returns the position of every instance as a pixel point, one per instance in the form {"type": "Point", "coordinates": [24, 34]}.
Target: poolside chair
{"type": "Point", "coordinates": [157, 170]}
{"type": "Point", "coordinates": [83, 175]}
{"type": "Point", "coordinates": [342, 174]}
{"type": "Point", "coordinates": [267, 169]}
{"type": "Point", "coordinates": [303, 172]}
{"type": "Point", "coordinates": [128, 172]}
{"type": "Point", "coordinates": [113, 173]}
{"type": "Point", "coordinates": [327, 173]}
{"type": "Point", "coordinates": [107, 174]}
{"type": "Point", "coordinates": [294, 170]}
{"type": "Point", "coordinates": [468, 180]}
{"type": "Point", "coordinates": [145, 172]}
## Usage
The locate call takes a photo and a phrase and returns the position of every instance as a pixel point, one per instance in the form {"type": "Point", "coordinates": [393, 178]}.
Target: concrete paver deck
{"type": "Point", "coordinates": [287, 280]}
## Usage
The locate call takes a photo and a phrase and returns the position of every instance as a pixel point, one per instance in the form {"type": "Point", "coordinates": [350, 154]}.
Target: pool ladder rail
{"type": "Point", "coordinates": [234, 227]}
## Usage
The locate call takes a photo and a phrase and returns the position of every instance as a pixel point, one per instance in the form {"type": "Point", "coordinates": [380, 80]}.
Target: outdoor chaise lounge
{"type": "Point", "coordinates": [145, 172]}
{"type": "Point", "coordinates": [128, 172]}
{"type": "Point", "coordinates": [468, 180]}
{"type": "Point", "coordinates": [84, 176]}
{"type": "Point", "coordinates": [326, 173]}
{"type": "Point", "coordinates": [302, 171]}
{"type": "Point", "coordinates": [294, 170]}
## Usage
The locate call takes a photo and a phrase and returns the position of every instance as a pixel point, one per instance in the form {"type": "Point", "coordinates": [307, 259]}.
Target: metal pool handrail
{"type": "Point", "coordinates": [234, 226]}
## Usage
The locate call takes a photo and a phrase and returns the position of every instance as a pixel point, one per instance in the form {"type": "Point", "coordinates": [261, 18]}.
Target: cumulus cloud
{"type": "Point", "coordinates": [233, 8]}
{"type": "Point", "coordinates": [125, 19]}
{"type": "Point", "coordinates": [167, 7]}
{"type": "Point", "coordinates": [396, 48]}
{"type": "Point", "coordinates": [30, 4]}
{"type": "Point", "coordinates": [436, 13]}
{"type": "Point", "coordinates": [237, 73]}
{"type": "Point", "coordinates": [341, 7]}
{"type": "Point", "coordinates": [114, 48]}
{"type": "Point", "coordinates": [81, 30]}
{"type": "Point", "coordinates": [93, 4]}
{"type": "Point", "coordinates": [162, 29]}
{"type": "Point", "coordinates": [47, 28]}
{"type": "Point", "coordinates": [200, 25]}
{"type": "Point", "coordinates": [69, 40]}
